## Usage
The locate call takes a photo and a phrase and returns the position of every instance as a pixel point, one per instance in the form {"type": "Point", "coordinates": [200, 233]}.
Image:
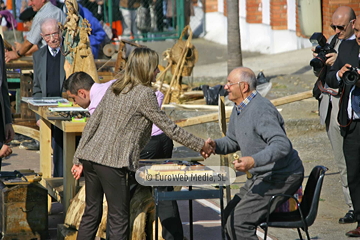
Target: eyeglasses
{"type": "Point", "coordinates": [230, 84]}
{"type": "Point", "coordinates": [48, 36]}
{"type": "Point", "coordinates": [340, 27]}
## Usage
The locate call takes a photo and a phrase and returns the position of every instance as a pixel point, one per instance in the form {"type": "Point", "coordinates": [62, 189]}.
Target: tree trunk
{"type": "Point", "coordinates": [234, 43]}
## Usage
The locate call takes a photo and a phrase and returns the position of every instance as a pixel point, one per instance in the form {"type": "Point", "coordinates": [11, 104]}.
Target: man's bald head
{"type": "Point", "coordinates": [50, 32]}
{"type": "Point", "coordinates": [341, 21]}
{"type": "Point", "coordinates": [240, 83]}
{"type": "Point", "coordinates": [245, 74]}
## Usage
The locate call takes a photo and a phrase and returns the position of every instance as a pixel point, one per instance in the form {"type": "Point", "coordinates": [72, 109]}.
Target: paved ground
{"type": "Point", "coordinates": [290, 74]}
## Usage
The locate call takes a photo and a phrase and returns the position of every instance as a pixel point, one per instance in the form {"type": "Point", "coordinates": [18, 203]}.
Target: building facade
{"type": "Point", "coordinates": [274, 26]}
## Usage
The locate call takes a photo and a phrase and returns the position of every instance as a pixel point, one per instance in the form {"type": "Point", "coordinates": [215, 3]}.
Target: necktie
{"type": "Point", "coordinates": [355, 100]}
{"type": "Point", "coordinates": [54, 52]}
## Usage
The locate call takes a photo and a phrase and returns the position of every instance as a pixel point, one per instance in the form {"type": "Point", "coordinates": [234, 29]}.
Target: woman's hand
{"type": "Point", "coordinates": [76, 171]}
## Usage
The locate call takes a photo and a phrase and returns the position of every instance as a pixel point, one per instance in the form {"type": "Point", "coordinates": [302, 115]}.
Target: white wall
{"type": "Point", "coordinates": [216, 27]}
{"type": "Point", "coordinates": [257, 37]}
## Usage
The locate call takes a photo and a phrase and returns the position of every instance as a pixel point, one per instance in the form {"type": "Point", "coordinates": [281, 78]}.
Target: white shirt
{"type": "Point", "coordinates": [52, 52]}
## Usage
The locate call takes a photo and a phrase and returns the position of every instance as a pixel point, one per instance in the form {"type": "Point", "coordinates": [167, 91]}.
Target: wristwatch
{"type": "Point", "coordinates": [18, 53]}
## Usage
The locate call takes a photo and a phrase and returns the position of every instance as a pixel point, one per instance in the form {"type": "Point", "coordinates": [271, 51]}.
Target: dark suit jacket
{"type": "Point", "coordinates": [4, 94]}
{"type": "Point", "coordinates": [348, 53]}
{"type": "Point", "coordinates": [39, 59]}
{"type": "Point", "coordinates": [39, 81]}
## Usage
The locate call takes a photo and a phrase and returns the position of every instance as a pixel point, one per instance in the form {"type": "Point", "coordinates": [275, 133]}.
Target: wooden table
{"type": "Point", "coordinates": [70, 131]}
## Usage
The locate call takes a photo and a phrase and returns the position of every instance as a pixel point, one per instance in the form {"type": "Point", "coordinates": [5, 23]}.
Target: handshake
{"type": "Point", "coordinates": [208, 148]}
{"type": "Point", "coordinates": [242, 164]}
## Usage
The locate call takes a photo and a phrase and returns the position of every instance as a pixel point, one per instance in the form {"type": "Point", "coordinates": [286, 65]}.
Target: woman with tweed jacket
{"type": "Point", "coordinates": [112, 140]}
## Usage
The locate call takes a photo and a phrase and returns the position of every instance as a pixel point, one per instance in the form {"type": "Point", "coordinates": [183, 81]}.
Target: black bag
{"type": "Point", "coordinates": [211, 94]}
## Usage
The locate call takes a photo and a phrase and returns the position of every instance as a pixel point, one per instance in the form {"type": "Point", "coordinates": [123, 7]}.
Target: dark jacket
{"type": "Point", "coordinates": [348, 53]}
{"type": "Point", "coordinates": [4, 94]}
{"type": "Point", "coordinates": [97, 35]}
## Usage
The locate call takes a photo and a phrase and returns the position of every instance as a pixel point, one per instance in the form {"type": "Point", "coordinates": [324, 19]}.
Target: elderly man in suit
{"type": "Point", "coordinates": [49, 76]}
{"type": "Point", "coordinates": [349, 114]}
{"type": "Point", "coordinates": [45, 9]}
{"type": "Point", "coordinates": [6, 129]}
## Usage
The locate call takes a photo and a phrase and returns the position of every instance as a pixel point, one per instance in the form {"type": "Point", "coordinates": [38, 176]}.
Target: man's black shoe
{"type": "Point", "coordinates": [348, 218]}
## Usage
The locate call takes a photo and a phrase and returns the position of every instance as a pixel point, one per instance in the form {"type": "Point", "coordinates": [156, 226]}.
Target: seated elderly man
{"type": "Point", "coordinates": [256, 128]}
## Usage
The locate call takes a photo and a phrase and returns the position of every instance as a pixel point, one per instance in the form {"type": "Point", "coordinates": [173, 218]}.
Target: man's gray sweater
{"type": "Point", "coordinates": [258, 131]}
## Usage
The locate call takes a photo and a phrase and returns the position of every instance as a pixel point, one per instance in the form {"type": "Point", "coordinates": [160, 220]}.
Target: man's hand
{"type": "Point", "coordinates": [331, 57]}
{"type": "Point", "coordinates": [314, 53]}
{"type": "Point", "coordinates": [76, 171]}
{"type": "Point", "coordinates": [9, 132]}
{"type": "Point", "coordinates": [11, 55]}
{"type": "Point", "coordinates": [38, 123]}
{"type": "Point", "coordinates": [208, 148]}
{"type": "Point", "coordinates": [244, 164]}
{"type": "Point", "coordinates": [344, 69]}
{"type": "Point", "coordinates": [17, 46]}
{"type": "Point", "coordinates": [5, 151]}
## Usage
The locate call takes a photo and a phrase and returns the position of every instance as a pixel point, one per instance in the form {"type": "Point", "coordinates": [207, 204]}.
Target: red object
{"type": "Point", "coordinates": [118, 28]}
{"type": "Point", "coordinates": [20, 27]}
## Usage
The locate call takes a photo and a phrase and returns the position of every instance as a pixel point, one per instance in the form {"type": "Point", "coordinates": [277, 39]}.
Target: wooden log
{"type": "Point", "coordinates": [224, 160]}
{"type": "Point", "coordinates": [214, 116]}
{"type": "Point", "coordinates": [27, 131]}
{"type": "Point", "coordinates": [292, 98]}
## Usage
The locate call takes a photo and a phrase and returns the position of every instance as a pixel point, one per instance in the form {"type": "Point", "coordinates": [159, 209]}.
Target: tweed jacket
{"type": "Point", "coordinates": [121, 126]}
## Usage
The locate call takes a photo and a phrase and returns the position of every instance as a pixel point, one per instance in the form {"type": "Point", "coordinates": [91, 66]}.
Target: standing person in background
{"type": "Point", "coordinates": [44, 9]}
{"type": "Point", "coordinates": [8, 22]}
{"type": "Point", "coordinates": [349, 115]}
{"type": "Point", "coordinates": [329, 99]}
{"type": "Point", "coordinates": [6, 130]}
{"type": "Point", "coordinates": [117, 18]}
{"type": "Point", "coordinates": [27, 17]}
{"type": "Point", "coordinates": [159, 11]}
{"type": "Point", "coordinates": [49, 76]}
{"type": "Point", "coordinates": [95, 7]}
{"type": "Point", "coordinates": [128, 10]}
{"type": "Point", "coordinates": [97, 35]}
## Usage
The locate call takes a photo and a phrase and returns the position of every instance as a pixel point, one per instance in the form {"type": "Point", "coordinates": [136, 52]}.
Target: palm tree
{"type": "Point", "coordinates": [233, 40]}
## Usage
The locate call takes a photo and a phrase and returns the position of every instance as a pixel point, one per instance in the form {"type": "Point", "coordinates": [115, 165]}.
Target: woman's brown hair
{"type": "Point", "coordinates": [139, 69]}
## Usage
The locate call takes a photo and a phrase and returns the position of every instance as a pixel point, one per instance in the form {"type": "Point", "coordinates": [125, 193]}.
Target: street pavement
{"type": "Point", "coordinates": [290, 74]}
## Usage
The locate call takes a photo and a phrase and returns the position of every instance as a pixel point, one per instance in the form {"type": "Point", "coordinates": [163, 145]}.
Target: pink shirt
{"type": "Point", "coordinates": [97, 91]}
{"type": "Point", "coordinates": [155, 130]}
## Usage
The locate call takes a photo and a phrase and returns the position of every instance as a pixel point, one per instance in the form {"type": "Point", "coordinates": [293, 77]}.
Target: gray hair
{"type": "Point", "coordinates": [249, 77]}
